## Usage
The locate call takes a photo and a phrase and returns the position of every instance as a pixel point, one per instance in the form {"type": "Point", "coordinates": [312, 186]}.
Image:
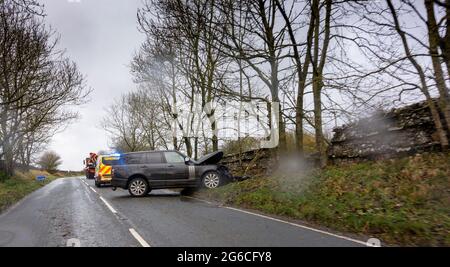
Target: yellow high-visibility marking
{"type": "Point", "coordinates": [105, 170]}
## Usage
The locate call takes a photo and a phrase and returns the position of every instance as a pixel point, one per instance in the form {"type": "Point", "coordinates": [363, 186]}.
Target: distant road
{"type": "Point", "coordinates": [73, 209]}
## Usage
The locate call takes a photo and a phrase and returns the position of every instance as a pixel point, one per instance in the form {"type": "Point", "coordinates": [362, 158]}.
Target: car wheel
{"type": "Point", "coordinates": [97, 184]}
{"type": "Point", "coordinates": [211, 180]}
{"type": "Point", "coordinates": [138, 187]}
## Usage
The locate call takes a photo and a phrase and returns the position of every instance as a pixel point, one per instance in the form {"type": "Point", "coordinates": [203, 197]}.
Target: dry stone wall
{"type": "Point", "coordinates": [401, 131]}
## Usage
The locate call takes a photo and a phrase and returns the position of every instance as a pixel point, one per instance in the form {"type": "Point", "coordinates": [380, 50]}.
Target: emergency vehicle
{"type": "Point", "coordinates": [103, 168]}
{"type": "Point", "coordinates": [89, 165]}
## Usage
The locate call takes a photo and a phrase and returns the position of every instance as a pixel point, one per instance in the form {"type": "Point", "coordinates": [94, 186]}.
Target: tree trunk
{"type": "Point", "coordinates": [318, 76]}
{"type": "Point", "coordinates": [320, 140]}
{"type": "Point", "coordinates": [175, 142]}
{"type": "Point", "coordinates": [196, 148]}
{"type": "Point", "coordinates": [437, 123]}
{"type": "Point", "coordinates": [433, 37]}
{"type": "Point", "coordinates": [187, 143]}
{"type": "Point", "coordinates": [8, 164]}
{"type": "Point", "coordinates": [445, 44]}
{"type": "Point", "coordinates": [302, 72]}
{"type": "Point", "coordinates": [9, 161]}
{"type": "Point", "coordinates": [214, 138]}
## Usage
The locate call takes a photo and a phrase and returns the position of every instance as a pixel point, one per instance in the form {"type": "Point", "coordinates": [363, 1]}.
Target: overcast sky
{"type": "Point", "coordinates": [101, 37]}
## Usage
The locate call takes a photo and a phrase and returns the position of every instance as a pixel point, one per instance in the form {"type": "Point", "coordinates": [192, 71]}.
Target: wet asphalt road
{"type": "Point", "coordinates": [69, 209]}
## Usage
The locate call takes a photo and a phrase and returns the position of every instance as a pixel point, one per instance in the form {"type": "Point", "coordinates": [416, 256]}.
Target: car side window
{"type": "Point", "coordinates": [154, 158]}
{"type": "Point", "coordinates": [129, 159]}
{"type": "Point", "coordinates": [173, 157]}
{"type": "Point", "coordinates": [135, 159]}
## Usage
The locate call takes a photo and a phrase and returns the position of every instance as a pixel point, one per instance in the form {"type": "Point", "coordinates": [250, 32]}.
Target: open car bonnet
{"type": "Point", "coordinates": [211, 158]}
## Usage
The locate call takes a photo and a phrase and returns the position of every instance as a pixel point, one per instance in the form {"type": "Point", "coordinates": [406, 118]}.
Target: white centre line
{"type": "Point", "coordinates": [133, 232]}
{"type": "Point", "coordinates": [108, 205]}
{"type": "Point", "coordinates": [139, 238]}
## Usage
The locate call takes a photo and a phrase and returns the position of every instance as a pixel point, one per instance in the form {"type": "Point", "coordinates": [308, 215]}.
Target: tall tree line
{"type": "Point", "coordinates": [37, 84]}
{"type": "Point", "coordinates": [321, 63]}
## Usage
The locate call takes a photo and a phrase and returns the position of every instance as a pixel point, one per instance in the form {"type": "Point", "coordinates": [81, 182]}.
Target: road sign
{"type": "Point", "coordinates": [40, 178]}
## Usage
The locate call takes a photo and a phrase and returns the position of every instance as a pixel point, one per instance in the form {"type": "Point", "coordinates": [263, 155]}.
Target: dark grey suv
{"type": "Point", "coordinates": [140, 172]}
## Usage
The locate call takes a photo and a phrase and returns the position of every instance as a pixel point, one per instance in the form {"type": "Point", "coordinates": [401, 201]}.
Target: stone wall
{"type": "Point", "coordinates": [251, 163]}
{"type": "Point", "coordinates": [398, 132]}
{"type": "Point", "coordinates": [401, 131]}
{"type": "Point", "coordinates": [264, 161]}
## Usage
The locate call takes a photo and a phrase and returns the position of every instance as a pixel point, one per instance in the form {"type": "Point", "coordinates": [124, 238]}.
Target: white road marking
{"type": "Point", "coordinates": [139, 238]}
{"type": "Point", "coordinates": [133, 232]}
{"type": "Point", "coordinates": [290, 223]}
{"type": "Point", "coordinates": [108, 205]}
{"type": "Point", "coordinates": [83, 181]}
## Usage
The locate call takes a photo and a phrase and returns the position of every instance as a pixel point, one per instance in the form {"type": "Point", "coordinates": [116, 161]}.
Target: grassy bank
{"type": "Point", "coordinates": [401, 201]}
{"type": "Point", "coordinates": [15, 188]}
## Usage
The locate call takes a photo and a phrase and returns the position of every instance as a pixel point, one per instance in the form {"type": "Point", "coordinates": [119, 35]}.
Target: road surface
{"type": "Point", "coordinates": [72, 211]}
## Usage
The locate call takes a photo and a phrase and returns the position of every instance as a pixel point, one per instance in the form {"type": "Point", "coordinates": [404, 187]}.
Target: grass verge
{"type": "Point", "coordinates": [21, 184]}
{"type": "Point", "coordinates": [401, 201]}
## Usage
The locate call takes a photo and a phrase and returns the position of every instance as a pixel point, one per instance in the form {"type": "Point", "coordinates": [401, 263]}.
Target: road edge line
{"type": "Point", "coordinates": [290, 223]}
{"type": "Point", "coordinates": [139, 238]}
{"type": "Point", "coordinates": [300, 226]}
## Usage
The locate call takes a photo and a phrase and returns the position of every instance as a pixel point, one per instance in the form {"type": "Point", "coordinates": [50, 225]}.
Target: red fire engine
{"type": "Point", "coordinates": [90, 164]}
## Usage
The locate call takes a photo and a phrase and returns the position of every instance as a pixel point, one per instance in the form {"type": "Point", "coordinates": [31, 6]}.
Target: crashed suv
{"type": "Point", "coordinates": [140, 172]}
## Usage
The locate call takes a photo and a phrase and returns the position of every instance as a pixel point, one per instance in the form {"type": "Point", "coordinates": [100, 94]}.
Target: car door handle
{"type": "Point", "coordinates": [170, 166]}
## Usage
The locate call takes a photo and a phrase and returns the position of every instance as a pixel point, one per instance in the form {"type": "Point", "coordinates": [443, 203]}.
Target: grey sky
{"type": "Point", "coordinates": [101, 37]}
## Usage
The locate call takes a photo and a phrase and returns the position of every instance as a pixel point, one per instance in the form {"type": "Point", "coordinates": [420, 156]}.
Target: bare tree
{"type": "Point", "coordinates": [383, 28]}
{"type": "Point", "coordinates": [50, 161]}
{"type": "Point", "coordinates": [37, 81]}
{"type": "Point", "coordinates": [322, 62]}
{"type": "Point", "coordinates": [136, 122]}
{"type": "Point", "coordinates": [255, 37]}
{"type": "Point", "coordinates": [436, 56]}
{"type": "Point", "coordinates": [301, 65]}
{"type": "Point", "coordinates": [189, 26]}
{"type": "Point", "coordinates": [318, 59]}
{"type": "Point", "coordinates": [156, 69]}
{"type": "Point", "coordinates": [424, 86]}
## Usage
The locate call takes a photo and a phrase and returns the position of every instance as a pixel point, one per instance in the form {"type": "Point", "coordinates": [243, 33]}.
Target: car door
{"type": "Point", "coordinates": [135, 164]}
{"type": "Point", "coordinates": [155, 167]}
{"type": "Point", "coordinates": [176, 166]}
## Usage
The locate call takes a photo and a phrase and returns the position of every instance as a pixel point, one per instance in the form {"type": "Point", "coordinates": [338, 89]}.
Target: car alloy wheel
{"type": "Point", "coordinates": [138, 187]}
{"type": "Point", "coordinates": [211, 180]}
